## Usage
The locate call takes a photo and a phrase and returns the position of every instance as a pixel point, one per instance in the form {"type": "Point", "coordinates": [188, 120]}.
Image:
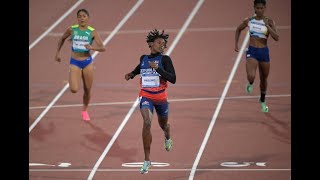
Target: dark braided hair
{"type": "Point", "coordinates": [255, 2]}
{"type": "Point", "coordinates": [155, 34]}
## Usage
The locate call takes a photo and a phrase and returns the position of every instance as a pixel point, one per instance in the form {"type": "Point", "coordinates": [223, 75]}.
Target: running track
{"type": "Point", "coordinates": [258, 144]}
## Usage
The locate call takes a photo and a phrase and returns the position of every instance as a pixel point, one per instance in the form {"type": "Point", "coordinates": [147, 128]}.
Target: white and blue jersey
{"type": "Point", "coordinates": [257, 28]}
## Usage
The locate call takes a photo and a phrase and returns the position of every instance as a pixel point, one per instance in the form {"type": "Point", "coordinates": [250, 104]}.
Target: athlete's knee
{"type": "Point", "coordinates": [251, 76]}
{"type": "Point", "coordinates": [74, 90]}
{"type": "Point", "coordinates": [86, 94]}
{"type": "Point", "coordinates": [147, 124]}
{"type": "Point", "coordinates": [87, 90]}
{"type": "Point", "coordinates": [263, 81]}
{"type": "Point", "coordinates": [165, 126]}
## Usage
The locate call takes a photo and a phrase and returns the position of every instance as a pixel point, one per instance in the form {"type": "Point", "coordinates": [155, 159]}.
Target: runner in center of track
{"type": "Point", "coordinates": [155, 71]}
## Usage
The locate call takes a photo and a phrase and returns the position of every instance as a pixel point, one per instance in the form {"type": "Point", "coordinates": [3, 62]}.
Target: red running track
{"type": "Point", "coordinates": [259, 143]}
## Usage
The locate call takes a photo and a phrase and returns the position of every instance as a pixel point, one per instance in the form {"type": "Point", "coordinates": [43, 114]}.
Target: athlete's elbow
{"type": "Point", "coordinates": [103, 49]}
{"type": "Point", "coordinates": [173, 80]}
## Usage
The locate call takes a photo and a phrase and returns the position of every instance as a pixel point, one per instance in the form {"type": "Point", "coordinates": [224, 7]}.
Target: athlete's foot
{"type": "Point", "coordinates": [264, 107]}
{"type": "Point", "coordinates": [249, 88]}
{"type": "Point", "coordinates": [85, 115]}
{"type": "Point", "coordinates": [145, 167]}
{"type": "Point", "coordinates": [168, 143]}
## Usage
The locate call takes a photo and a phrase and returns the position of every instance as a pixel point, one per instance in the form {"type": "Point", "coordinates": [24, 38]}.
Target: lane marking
{"type": "Point", "coordinates": [164, 170]}
{"type": "Point", "coordinates": [42, 164]}
{"type": "Point", "coordinates": [105, 42]}
{"type": "Point", "coordinates": [64, 164]}
{"type": "Point", "coordinates": [184, 27]}
{"type": "Point", "coordinates": [135, 104]}
{"type": "Point", "coordinates": [216, 112]}
{"type": "Point", "coordinates": [139, 164]}
{"type": "Point", "coordinates": [170, 100]}
{"type": "Point", "coordinates": [242, 164]}
{"type": "Point", "coordinates": [211, 29]}
{"type": "Point", "coordinates": [94, 169]}
{"type": "Point", "coordinates": [55, 24]}
{"type": "Point", "coordinates": [261, 164]}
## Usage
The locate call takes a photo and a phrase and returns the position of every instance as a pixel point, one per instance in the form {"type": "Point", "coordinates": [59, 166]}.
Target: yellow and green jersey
{"type": "Point", "coordinates": [80, 38]}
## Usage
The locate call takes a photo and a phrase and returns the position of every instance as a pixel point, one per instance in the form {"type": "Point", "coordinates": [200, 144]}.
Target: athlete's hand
{"type": "Point", "coordinates": [153, 65]}
{"type": "Point", "coordinates": [127, 76]}
{"type": "Point", "coordinates": [88, 46]}
{"type": "Point", "coordinates": [236, 49]}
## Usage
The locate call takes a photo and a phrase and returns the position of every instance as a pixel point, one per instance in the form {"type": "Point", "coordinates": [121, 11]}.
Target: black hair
{"type": "Point", "coordinates": [82, 10]}
{"type": "Point", "coordinates": [255, 2]}
{"type": "Point", "coordinates": [155, 34]}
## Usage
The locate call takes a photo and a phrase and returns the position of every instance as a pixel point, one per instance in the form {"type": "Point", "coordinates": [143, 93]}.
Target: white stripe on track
{"type": "Point", "coordinates": [215, 115]}
{"type": "Point", "coordinates": [107, 40]}
{"type": "Point", "coordinates": [135, 104]}
{"type": "Point", "coordinates": [209, 29]}
{"type": "Point", "coordinates": [170, 100]}
{"type": "Point", "coordinates": [55, 24]}
{"type": "Point", "coordinates": [165, 170]}
{"type": "Point", "coordinates": [135, 7]}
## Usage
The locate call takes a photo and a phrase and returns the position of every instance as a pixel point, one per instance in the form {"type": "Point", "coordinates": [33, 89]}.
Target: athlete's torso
{"type": "Point", "coordinates": [79, 39]}
{"type": "Point", "coordinates": [151, 80]}
{"type": "Point", "coordinates": [258, 32]}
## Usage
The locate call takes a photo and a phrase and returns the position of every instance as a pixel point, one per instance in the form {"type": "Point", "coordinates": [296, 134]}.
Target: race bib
{"type": "Point", "coordinates": [150, 81]}
{"type": "Point", "coordinates": [79, 45]}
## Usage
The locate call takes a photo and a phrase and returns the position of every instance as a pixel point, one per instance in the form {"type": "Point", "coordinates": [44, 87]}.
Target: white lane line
{"type": "Point", "coordinates": [170, 100]}
{"type": "Point", "coordinates": [139, 164]}
{"type": "Point", "coordinates": [114, 137]}
{"type": "Point", "coordinates": [210, 29]}
{"type": "Point", "coordinates": [135, 104]}
{"type": "Point", "coordinates": [48, 107]}
{"type": "Point", "coordinates": [215, 115]}
{"type": "Point", "coordinates": [55, 24]}
{"type": "Point", "coordinates": [93, 56]}
{"type": "Point", "coordinates": [185, 25]}
{"type": "Point", "coordinates": [134, 169]}
{"type": "Point", "coordinates": [94, 169]}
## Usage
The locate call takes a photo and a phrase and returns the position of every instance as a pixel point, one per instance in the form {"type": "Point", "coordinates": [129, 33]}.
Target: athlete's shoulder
{"type": "Point", "coordinates": [251, 17]}
{"type": "Point", "coordinates": [247, 19]}
{"type": "Point", "coordinates": [268, 17]}
{"type": "Point", "coordinates": [142, 56]}
{"type": "Point", "coordinates": [91, 28]}
{"type": "Point", "coordinates": [270, 20]}
{"type": "Point", "coordinates": [74, 26]}
{"type": "Point", "coordinates": [166, 57]}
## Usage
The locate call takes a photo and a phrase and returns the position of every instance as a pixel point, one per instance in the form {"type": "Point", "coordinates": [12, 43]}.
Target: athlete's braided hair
{"type": "Point", "coordinates": [255, 2]}
{"type": "Point", "coordinates": [154, 34]}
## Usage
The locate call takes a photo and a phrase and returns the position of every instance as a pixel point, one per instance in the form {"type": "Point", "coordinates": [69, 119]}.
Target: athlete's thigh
{"type": "Point", "coordinates": [74, 77]}
{"type": "Point", "coordinates": [146, 108]}
{"type": "Point", "coordinates": [264, 68]}
{"type": "Point", "coordinates": [162, 109]}
{"type": "Point", "coordinates": [146, 115]}
{"type": "Point", "coordinates": [87, 75]}
{"type": "Point", "coordinates": [162, 120]}
{"type": "Point", "coordinates": [251, 64]}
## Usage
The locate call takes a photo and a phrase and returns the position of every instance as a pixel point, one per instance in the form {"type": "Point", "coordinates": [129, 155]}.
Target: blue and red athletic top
{"type": "Point", "coordinates": [153, 83]}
